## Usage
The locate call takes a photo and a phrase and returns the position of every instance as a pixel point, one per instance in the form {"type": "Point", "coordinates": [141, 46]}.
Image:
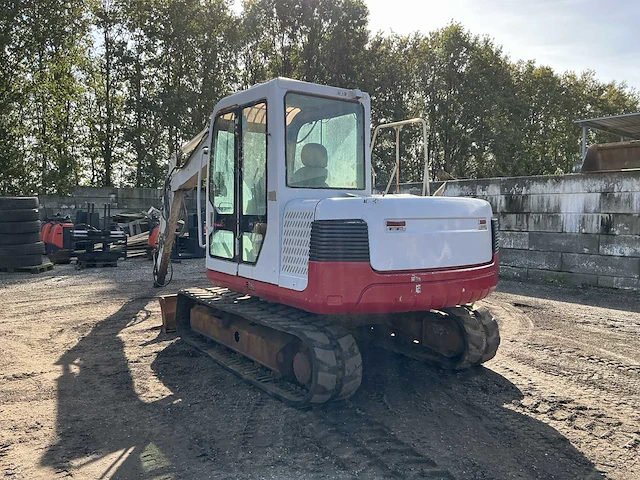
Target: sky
{"type": "Point", "coordinates": [577, 35]}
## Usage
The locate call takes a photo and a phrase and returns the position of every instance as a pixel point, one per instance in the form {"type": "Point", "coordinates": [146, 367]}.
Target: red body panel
{"type": "Point", "coordinates": [45, 232]}
{"type": "Point", "coordinates": [354, 287]}
{"type": "Point", "coordinates": [56, 235]}
{"type": "Point", "coordinates": [153, 236]}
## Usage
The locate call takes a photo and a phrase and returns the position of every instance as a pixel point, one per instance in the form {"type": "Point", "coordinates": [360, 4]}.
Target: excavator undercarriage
{"type": "Point", "coordinates": [309, 359]}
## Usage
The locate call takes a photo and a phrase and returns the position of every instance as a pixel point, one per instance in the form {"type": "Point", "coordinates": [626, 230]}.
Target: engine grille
{"type": "Point", "coordinates": [295, 241]}
{"type": "Point", "coordinates": [495, 234]}
{"type": "Point", "coordinates": [339, 240]}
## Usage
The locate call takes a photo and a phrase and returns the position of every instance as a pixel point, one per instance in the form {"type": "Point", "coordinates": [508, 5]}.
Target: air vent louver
{"type": "Point", "coordinates": [339, 240]}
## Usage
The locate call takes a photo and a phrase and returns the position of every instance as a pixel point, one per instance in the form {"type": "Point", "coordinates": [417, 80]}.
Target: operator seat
{"type": "Point", "coordinates": [313, 173]}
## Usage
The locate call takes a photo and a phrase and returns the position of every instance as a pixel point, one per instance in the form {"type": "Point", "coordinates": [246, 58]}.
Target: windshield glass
{"type": "Point", "coordinates": [325, 142]}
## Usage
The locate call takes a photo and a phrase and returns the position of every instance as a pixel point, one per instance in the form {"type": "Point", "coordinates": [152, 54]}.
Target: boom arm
{"type": "Point", "coordinates": [186, 177]}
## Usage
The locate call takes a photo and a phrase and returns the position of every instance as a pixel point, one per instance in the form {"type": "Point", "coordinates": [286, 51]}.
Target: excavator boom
{"type": "Point", "coordinates": [180, 179]}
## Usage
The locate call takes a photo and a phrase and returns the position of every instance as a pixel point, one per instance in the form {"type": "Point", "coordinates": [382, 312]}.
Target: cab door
{"type": "Point", "coordinates": [223, 192]}
{"type": "Point", "coordinates": [238, 189]}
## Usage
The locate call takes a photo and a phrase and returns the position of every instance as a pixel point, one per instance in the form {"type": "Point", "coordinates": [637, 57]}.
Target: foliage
{"type": "Point", "coordinates": [102, 92]}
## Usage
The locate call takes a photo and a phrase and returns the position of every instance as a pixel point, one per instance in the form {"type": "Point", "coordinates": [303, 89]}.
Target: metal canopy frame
{"type": "Point", "coordinates": [626, 125]}
{"type": "Point", "coordinates": [397, 126]}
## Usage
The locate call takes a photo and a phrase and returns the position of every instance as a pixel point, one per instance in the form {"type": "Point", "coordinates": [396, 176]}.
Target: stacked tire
{"type": "Point", "coordinates": [20, 244]}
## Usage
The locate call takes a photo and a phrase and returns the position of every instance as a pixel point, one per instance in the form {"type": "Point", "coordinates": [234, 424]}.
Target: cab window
{"type": "Point", "coordinates": [324, 142]}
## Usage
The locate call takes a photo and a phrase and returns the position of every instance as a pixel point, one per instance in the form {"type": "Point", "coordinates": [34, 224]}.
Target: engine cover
{"type": "Point", "coordinates": [408, 232]}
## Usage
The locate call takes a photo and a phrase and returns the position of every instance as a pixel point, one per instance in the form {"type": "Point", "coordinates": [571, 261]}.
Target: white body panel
{"type": "Point", "coordinates": [294, 250]}
{"type": "Point", "coordinates": [439, 232]}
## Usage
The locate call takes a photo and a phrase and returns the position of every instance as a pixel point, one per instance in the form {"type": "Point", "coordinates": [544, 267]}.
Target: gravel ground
{"type": "Point", "coordinates": [90, 388]}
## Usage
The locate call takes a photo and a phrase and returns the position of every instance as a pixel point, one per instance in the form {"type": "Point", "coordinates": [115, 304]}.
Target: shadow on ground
{"type": "Point", "coordinates": [406, 419]}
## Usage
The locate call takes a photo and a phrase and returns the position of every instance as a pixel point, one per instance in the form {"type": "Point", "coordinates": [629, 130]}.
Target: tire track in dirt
{"type": "Point", "coordinates": [354, 441]}
{"type": "Point", "coordinates": [252, 424]}
{"type": "Point", "coordinates": [362, 445]}
{"type": "Point", "coordinates": [595, 405]}
{"type": "Point", "coordinates": [602, 428]}
{"type": "Point", "coordinates": [535, 412]}
{"type": "Point", "coordinates": [513, 321]}
{"type": "Point", "coordinates": [628, 366]}
{"type": "Point", "coordinates": [463, 412]}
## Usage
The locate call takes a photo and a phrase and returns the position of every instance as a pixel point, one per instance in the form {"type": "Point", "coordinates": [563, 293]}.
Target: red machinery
{"type": "Point", "coordinates": [57, 237]}
{"type": "Point", "coordinates": [84, 240]}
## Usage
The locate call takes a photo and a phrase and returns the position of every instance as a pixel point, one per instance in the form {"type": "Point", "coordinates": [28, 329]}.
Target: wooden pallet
{"type": "Point", "coordinates": [43, 267]}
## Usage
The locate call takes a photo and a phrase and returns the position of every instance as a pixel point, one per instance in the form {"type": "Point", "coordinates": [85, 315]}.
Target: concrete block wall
{"type": "Point", "coordinates": [574, 229]}
{"type": "Point", "coordinates": [577, 229]}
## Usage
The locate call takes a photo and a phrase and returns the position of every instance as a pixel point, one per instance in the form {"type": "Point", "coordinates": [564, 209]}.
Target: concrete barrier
{"type": "Point", "coordinates": [573, 229]}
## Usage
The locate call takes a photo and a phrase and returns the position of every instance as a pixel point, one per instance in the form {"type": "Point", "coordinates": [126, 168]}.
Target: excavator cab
{"type": "Point", "coordinates": [276, 142]}
{"type": "Point", "coordinates": [304, 256]}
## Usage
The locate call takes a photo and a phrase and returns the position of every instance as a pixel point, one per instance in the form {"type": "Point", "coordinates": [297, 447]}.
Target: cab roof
{"type": "Point", "coordinates": [274, 87]}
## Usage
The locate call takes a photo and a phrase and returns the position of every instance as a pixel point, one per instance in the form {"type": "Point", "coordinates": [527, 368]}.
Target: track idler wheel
{"type": "Point", "coordinates": [481, 336]}
{"type": "Point", "coordinates": [456, 337]}
{"type": "Point", "coordinates": [302, 368]}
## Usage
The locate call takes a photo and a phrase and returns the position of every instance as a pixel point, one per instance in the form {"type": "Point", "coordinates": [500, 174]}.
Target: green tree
{"type": "Point", "coordinates": [105, 84]}
{"type": "Point", "coordinates": [314, 40]}
{"type": "Point", "coordinates": [102, 92]}
{"type": "Point", "coordinates": [57, 43]}
{"type": "Point", "coordinates": [15, 170]}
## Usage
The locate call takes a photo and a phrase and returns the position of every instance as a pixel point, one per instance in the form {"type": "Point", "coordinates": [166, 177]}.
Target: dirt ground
{"type": "Point", "coordinates": [90, 388]}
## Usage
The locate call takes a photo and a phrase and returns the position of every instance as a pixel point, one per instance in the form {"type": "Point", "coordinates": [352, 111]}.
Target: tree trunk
{"type": "Point", "coordinates": [138, 130]}
{"type": "Point", "coordinates": [108, 139]}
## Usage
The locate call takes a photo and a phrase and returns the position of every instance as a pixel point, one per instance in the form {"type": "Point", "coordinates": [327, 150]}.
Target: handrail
{"type": "Point", "coordinates": [396, 170]}
{"type": "Point", "coordinates": [201, 241]}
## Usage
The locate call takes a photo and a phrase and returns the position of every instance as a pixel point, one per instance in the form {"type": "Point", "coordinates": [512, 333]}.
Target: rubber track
{"type": "Point", "coordinates": [338, 371]}
{"type": "Point", "coordinates": [481, 342]}
{"type": "Point", "coordinates": [492, 331]}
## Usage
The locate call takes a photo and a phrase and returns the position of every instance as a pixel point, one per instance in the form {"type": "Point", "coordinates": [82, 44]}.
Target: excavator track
{"type": "Point", "coordinates": [333, 352]}
{"type": "Point", "coordinates": [480, 332]}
